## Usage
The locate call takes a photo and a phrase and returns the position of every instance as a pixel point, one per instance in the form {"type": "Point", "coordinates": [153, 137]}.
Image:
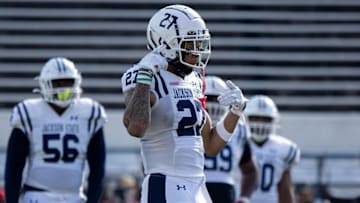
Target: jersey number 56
{"type": "Point", "coordinates": [64, 152]}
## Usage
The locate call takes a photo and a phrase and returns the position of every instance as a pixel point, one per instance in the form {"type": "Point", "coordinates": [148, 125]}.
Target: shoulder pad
{"type": "Point", "coordinates": [128, 79]}
{"type": "Point", "coordinates": [20, 116]}
{"type": "Point", "coordinates": [92, 111]}
{"type": "Point", "coordinates": [290, 150]}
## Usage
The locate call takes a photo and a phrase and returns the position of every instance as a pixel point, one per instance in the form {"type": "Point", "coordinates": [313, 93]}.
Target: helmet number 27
{"type": "Point", "coordinates": [168, 21]}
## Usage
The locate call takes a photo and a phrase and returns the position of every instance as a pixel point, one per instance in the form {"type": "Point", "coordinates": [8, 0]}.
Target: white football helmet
{"type": "Point", "coordinates": [176, 26]}
{"type": "Point", "coordinates": [214, 87]}
{"type": "Point", "coordinates": [55, 69]}
{"type": "Point", "coordinates": [262, 116]}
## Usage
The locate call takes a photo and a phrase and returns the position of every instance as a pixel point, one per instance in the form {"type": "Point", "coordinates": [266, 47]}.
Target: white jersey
{"type": "Point", "coordinates": [275, 156]}
{"type": "Point", "coordinates": [173, 145]}
{"type": "Point", "coordinates": [58, 143]}
{"type": "Point", "coordinates": [224, 167]}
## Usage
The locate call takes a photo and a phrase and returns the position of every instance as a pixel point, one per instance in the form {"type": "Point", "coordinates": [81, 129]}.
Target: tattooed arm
{"type": "Point", "coordinates": [137, 115]}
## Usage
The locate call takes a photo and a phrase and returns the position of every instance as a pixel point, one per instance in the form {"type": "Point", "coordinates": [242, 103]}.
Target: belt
{"type": "Point", "coordinates": [28, 188]}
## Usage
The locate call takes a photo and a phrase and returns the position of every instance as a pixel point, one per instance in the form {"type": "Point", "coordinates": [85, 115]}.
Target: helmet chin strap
{"type": "Point", "coordinates": [182, 69]}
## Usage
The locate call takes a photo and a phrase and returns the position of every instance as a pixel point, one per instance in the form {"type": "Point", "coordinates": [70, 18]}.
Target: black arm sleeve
{"type": "Point", "coordinates": [17, 151]}
{"type": "Point", "coordinates": [96, 155]}
{"type": "Point", "coordinates": [246, 154]}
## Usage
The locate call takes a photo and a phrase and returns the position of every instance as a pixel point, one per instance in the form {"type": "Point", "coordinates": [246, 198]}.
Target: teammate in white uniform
{"type": "Point", "coordinates": [56, 135]}
{"type": "Point", "coordinates": [222, 169]}
{"type": "Point", "coordinates": [163, 108]}
{"type": "Point", "coordinates": [275, 154]}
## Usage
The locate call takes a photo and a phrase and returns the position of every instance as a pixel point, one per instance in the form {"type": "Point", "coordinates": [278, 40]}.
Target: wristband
{"type": "Point", "coordinates": [144, 76]}
{"type": "Point", "coordinates": [222, 132]}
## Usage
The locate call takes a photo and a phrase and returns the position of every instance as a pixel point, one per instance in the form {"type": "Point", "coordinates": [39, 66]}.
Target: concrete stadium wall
{"type": "Point", "coordinates": [319, 132]}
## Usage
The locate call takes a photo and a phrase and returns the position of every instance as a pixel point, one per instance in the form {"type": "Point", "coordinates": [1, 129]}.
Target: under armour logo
{"type": "Point", "coordinates": [179, 187]}
{"type": "Point", "coordinates": [74, 118]}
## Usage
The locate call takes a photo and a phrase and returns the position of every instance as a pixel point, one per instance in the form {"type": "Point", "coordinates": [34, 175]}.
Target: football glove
{"type": "Point", "coordinates": [234, 98]}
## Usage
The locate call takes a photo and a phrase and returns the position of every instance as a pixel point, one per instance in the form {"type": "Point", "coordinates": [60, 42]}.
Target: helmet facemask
{"type": "Point", "coordinates": [262, 116]}
{"type": "Point", "coordinates": [60, 82]}
{"type": "Point", "coordinates": [192, 44]}
{"type": "Point", "coordinates": [61, 96]}
{"type": "Point", "coordinates": [261, 127]}
{"type": "Point", "coordinates": [198, 46]}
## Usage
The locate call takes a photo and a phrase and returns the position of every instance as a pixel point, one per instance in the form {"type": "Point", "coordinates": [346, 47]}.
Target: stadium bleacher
{"type": "Point", "coordinates": [305, 54]}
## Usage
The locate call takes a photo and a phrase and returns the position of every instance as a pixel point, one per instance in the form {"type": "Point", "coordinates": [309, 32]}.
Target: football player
{"type": "Point", "coordinates": [163, 108]}
{"type": "Point", "coordinates": [221, 170]}
{"type": "Point", "coordinates": [275, 154]}
{"type": "Point", "coordinates": [56, 134]}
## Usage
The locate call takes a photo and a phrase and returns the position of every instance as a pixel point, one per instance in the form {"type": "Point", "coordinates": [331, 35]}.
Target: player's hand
{"type": "Point", "coordinates": [234, 98]}
{"type": "Point", "coordinates": [154, 61]}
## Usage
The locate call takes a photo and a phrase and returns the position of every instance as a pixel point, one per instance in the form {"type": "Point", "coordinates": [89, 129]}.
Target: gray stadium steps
{"type": "Point", "coordinates": [139, 41]}
{"type": "Point", "coordinates": [305, 54]}
{"type": "Point", "coordinates": [32, 69]}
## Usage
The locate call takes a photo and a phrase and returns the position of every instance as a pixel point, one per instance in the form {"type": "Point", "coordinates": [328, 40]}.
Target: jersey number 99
{"type": "Point", "coordinates": [221, 162]}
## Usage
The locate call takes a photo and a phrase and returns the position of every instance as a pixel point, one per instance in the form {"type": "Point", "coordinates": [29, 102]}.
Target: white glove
{"type": "Point", "coordinates": [154, 61]}
{"type": "Point", "coordinates": [234, 98]}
